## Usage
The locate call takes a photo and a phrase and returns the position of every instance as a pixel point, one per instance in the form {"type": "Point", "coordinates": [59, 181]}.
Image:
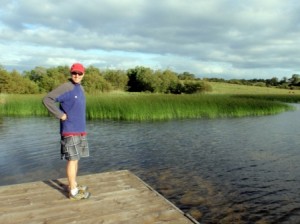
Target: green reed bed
{"type": "Point", "coordinates": [163, 107]}
{"type": "Point", "coordinates": [21, 105]}
{"type": "Point", "coordinates": [143, 107]}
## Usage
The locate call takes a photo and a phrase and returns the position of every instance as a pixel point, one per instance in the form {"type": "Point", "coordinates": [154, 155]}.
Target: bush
{"type": "Point", "coordinates": [190, 87]}
{"type": "Point", "coordinates": [13, 82]}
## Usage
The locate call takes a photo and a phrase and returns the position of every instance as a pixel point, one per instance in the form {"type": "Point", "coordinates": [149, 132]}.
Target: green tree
{"type": "Point", "coordinates": [13, 82]}
{"type": "Point", "coordinates": [92, 70]}
{"type": "Point", "coordinates": [94, 83]}
{"type": "Point", "coordinates": [186, 76]}
{"type": "Point", "coordinates": [168, 81]}
{"type": "Point", "coordinates": [295, 80]}
{"type": "Point", "coordinates": [117, 78]}
{"type": "Point", "coordinates": [36, 74]}
{"type": "Point", "coordinates": [272, 82]}
{"type": "Point", "coordinates": [47, 84]}
{"type": "Point", "coordinates": [4, 81]}
{"type": "Point", "coordinates": [140, 79]}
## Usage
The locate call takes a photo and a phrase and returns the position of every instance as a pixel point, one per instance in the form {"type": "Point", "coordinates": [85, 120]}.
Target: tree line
{"type": "Point", "coordinates": [138, 79]}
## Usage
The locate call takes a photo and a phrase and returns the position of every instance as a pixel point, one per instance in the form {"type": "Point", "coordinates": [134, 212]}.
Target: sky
{"type": "Point", "coordinates": [227, 39]}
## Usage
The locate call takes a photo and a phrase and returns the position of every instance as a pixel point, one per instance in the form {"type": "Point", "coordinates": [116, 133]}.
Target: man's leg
{"type": "Point", "coordinates": [72, 167]}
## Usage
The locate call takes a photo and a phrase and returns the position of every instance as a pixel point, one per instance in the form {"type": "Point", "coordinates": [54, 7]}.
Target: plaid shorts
{"type": "Point", "coordinates": [74, 147]}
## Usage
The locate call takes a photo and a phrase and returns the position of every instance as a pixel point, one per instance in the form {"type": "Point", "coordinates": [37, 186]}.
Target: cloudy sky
{"type": "Point", "coordinates": [209, 38]}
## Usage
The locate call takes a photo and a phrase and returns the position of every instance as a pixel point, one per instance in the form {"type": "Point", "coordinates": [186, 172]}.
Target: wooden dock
{"type": "Point", "coordinates": [117, 197]}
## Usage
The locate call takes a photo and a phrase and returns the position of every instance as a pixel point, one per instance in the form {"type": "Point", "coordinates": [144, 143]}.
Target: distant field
{"type": "Point", "coordinates": [226, 88]}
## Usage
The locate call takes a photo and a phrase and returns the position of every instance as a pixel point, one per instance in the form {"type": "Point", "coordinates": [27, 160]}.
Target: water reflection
{"type": "Point", "coordinates": [222, 171]}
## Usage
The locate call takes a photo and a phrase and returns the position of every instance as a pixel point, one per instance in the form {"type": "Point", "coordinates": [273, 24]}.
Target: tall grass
{"type": "Point", "coordinates": [162, 107]}
{"type": "Point", "coordinates": [142, 107]}
{"type": "Point", "coordinates": [21, 105]}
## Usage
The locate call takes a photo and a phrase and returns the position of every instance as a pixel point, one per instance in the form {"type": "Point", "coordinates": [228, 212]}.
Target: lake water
{"type": "Point", "coordinates": [241, 170]}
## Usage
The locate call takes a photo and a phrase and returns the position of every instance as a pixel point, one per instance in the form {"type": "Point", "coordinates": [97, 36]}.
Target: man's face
{"type": "Point", "coordinates": [77, 76]}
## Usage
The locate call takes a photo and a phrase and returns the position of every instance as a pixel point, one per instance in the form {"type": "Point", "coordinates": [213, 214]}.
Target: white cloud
{"type": "Point", "coordinates": [251, 38]}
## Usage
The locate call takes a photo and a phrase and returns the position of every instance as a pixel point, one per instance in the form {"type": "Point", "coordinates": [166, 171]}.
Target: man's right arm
{"type": "Point", "coordinates": [50, 102]}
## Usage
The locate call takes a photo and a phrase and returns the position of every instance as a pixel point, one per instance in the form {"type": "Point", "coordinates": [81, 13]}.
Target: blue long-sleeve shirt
{"type": "Point", "coordinates": [71, 99]}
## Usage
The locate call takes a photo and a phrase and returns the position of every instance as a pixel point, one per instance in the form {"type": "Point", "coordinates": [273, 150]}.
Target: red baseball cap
{"type": "Point", "coordinates": [77, 67]}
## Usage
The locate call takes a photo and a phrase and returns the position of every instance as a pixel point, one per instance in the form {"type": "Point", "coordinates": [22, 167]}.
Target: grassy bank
{"type": "Point", "coordinates": [235, 89]}
{"type": "Point", "coordinates": [142, 107]}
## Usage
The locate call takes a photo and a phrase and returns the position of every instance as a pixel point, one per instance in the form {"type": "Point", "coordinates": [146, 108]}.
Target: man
{"type": "Point", "coordinates": [71, 112]}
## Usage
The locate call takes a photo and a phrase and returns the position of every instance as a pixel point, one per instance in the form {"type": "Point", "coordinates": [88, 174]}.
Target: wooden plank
{"type": "Point", "coordinates": [117, 197]}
